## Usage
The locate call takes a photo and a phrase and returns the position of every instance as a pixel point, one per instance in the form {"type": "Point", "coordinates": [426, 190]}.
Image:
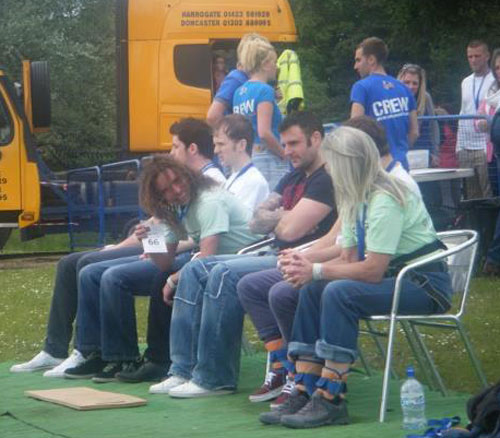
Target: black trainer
{"type": "Point", "coordinates": [142, 372]}
{"type": "Point", "coordinates": [293, 404]}
{"type": "Point", "coordinates": [318, 412]}
{"type": "Point", "coordinates": [108, 373]}
{"type": "Point", "coordinates": [93, 364]}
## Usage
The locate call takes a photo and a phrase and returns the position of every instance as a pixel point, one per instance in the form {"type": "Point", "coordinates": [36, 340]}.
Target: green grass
{"type": "Point", "coordinates": [25, 299]}
{"type": "Point", "coordinates": [50, 242]}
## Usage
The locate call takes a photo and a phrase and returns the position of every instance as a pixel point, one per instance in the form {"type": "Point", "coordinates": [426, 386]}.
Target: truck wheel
{"type": "Point", "coordinates": [40, 94]}
{"type": "Point", "coordinates": [4, 236]}
{"type": "Point", "coordinates": [129, 227]}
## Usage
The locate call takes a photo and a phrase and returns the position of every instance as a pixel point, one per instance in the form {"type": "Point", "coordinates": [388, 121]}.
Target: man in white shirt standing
{"type": "Point", "coordinates": [471, 145]}
{"type": "Point", "coordinates": [233, 140]}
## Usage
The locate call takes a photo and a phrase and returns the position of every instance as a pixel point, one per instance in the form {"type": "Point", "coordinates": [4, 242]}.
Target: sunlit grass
{"type": "Point", "coordinates": [25, 299]}
{"type": "Point", "coordinates": [50, 242]}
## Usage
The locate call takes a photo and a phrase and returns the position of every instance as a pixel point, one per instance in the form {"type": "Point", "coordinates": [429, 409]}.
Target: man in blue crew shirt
{"type": "Point", "coordinates": [384, 98]}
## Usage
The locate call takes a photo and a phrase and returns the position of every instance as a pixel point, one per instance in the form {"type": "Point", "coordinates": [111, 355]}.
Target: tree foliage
{"type": "Point", "coordinates": [429, 33]}
{"type": "Point", "coordinates": [77, 38]}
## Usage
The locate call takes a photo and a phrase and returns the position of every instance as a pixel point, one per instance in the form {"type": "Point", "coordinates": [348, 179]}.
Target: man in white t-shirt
{"type": "Point", "coordinates": [192, 145]}
{"type": "Point", "coordinates": [233, 140]}
{"type": "Point", "coordinates": [377, 132]}
{"type": "Point", "coordinates": [471, 145]}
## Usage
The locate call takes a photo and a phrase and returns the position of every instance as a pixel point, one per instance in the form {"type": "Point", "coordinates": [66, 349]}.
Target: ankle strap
{"type": "Point", "coordinates": [308, 380]}
{"type": "Point", "coordinates": [333, 387]}
{"type": "Point", "coordinates": [281, 357]}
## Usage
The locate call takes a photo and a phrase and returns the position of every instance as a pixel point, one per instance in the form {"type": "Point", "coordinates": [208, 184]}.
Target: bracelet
{"type": "Point", "coordinates": [317, 273]}
{"type": "Point", "coordinates": [171, 283]}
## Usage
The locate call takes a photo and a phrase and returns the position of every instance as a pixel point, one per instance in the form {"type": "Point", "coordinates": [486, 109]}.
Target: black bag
{"type": "Point", "coordinates": [483, 411]}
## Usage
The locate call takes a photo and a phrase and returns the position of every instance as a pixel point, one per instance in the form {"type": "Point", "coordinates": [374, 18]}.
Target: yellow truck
{"type": "Point", "coordinates": [166, 50]}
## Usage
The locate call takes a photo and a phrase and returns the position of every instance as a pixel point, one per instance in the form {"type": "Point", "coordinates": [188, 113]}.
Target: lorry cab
{"type": "Point", "coordinates": [167, 51]}
{"type": "Point", "coordinates": [19, 177]}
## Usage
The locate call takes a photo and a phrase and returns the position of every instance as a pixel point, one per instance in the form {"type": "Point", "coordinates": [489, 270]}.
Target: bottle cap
{"type": "Point", "coordinates": [410, 371]}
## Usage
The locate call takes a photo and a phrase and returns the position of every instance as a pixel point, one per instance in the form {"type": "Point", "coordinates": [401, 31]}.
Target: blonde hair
{"type": "Point", "coordinates": [253, 51]}
{"type": "Point", "coordinates": [354, 164]}
{"type": "Point", "coordinates": [421, 97]}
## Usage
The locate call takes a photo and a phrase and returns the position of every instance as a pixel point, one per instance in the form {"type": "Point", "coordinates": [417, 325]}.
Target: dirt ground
{"type": "Point", "coordinates": [28, 262]}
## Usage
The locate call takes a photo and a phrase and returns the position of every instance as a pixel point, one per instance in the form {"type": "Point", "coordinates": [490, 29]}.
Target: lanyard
{"type": "Point", "coordinates": [391, 165]}
{"type": "Point", "coordinates": [242, 171]}
{"type": "Point", "coordinates": [360, 233]}
{"type": "Point", "coordinates": [474, 95]}
{"type": "Point", "coordinates": [181, 212]}
{"type": "Point", "coordinates": [207, 166]}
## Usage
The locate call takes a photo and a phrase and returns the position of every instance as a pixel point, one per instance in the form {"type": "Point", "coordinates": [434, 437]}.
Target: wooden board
{"type": "Point", "coordinates": [86, 399]}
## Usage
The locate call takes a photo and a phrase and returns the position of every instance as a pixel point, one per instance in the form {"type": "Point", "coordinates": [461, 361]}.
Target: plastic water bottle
{"type": "Point", "coordinates": [413, 402]}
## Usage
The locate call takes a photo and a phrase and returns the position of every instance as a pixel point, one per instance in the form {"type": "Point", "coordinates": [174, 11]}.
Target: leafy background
{"type": "Point", "coordinates": [77, 37]}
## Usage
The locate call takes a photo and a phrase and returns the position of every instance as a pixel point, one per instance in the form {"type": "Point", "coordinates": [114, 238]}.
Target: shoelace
{"type": "Point", "coordinates": [311, 406]}
{"type": "Point", "coordinates": [130, 366]}
{"type": "Point", "coordinates": [289, 386]}
{"type": "Point", "coordinates": [291, 402]}
{"type": "Point", "coordinates": [270, 376]}
{"type": "Point", "coordinates": [110, 366]}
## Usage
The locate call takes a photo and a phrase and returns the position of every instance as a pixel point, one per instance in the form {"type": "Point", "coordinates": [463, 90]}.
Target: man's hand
{"type": "Point", "coordinates": [482, 125]}
{"type": "Point", "coordinates": [141, 231]}
{"type": "Point", "coordinates": [169, 289]}
{"type": "Point", "coordinates": [168, 294]}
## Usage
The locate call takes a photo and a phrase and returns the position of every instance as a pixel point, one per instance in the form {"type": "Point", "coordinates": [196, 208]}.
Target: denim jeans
{"type": "Point", "coordinates": [207, 319]}
{"type": "Point", "coordinates": [270, 302]}
{"type": "Point", "coordinates": [65, 295]}
{"type": "Point", "coordinates": [160, 315]}
{"type": "Point", "coordinates": [106, 313]}
{"type": "Point", "coordinates": [326, 322]}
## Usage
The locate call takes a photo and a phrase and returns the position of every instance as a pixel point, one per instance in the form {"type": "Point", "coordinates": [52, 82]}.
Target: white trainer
{"type": "Point", "coordinates": [192, 390]}
{"type": "Point", "coordinates": [168, 384]}
{"type": "Point", "coordinates": [76, 358]}
{"type": "Point", "coordinates": [41, 361]}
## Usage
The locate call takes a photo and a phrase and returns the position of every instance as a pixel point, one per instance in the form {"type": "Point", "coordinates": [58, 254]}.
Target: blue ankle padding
{"type": "Point", "coordinates": [333, 387]}
{"type": "Point", "coordinates": [308, 380]}
{"type": "Point", "coordinates": [281, 356]}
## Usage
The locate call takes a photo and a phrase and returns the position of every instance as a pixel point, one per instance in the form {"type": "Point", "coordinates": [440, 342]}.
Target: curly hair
{"type": "Point", "coordinates": [154, 203]}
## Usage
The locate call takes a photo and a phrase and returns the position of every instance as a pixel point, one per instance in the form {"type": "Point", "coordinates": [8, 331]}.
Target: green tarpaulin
{"type": "Point", "coordinates": [223, 416]}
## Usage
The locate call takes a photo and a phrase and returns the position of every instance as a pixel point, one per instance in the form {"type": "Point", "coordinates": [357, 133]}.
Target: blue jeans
{"type": "Point", "coordinates": [270, 302]}
{"type": "Point", "coordinates": [106, 312]}
{"type": "Point", "coordinates": [326, 322]}
{"type": "Point", "coordinates": [207, 319]}
{"type": "Point", "coordinates": [65, 295]}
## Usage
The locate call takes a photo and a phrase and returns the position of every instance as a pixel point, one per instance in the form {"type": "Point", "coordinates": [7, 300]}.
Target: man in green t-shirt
{"type": "Point", "coordinates": [188, 204]}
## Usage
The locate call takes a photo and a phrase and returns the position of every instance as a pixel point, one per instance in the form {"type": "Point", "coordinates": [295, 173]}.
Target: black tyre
{"type": "Point", "coordinates": [40, 94]}
{"type": "Point", "coordinates": [4, 236]}
{"type": "Point", "coordinates": [129, 227]}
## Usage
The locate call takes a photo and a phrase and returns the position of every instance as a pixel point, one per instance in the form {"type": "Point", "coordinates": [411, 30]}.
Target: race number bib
{"type": "Point", "coordinates": [155, 242]}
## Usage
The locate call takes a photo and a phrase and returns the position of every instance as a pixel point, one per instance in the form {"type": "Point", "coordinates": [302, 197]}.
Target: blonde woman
{"type": "Point", "coordinates": [256, 100]}
{"type": "Point", "coordinates": [414, 77]}
{"type": "Point", "coordinates": [382, 222]}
